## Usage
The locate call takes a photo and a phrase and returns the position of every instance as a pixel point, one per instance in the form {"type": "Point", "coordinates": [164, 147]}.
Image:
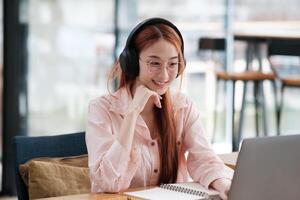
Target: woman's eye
{"type": "Point", "coordinates": [173, 64]}
{"type": "Point", "coordinates": [156, 64]}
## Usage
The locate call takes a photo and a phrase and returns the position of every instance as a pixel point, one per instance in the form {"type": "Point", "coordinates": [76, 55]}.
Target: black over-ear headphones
{"type": "Point", "coordinates": [129, 59]}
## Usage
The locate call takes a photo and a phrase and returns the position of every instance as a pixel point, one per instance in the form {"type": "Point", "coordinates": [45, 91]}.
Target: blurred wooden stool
{"type": "Point", "coordinates": [284, 48]}
{"type": "Point", "coordinates": [257, 77]}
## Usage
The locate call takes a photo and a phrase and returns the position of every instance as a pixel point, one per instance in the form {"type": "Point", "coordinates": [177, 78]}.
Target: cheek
{"type": "Point", "coordinates": [145, 79]}
{"type": "Point", "coordinates": [172, 78]}
{"type": "Point", "coordinates": [144, 74]}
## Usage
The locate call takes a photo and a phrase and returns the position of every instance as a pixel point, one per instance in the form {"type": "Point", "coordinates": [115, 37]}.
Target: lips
{"type": "Point", "coordinates": [159, 83]}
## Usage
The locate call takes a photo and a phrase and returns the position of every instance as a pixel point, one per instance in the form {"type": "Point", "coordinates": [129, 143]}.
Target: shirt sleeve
{"type": "Point", "coordinates": [112, 167]}
{"type": "Point", "coordinates": [203, 164]}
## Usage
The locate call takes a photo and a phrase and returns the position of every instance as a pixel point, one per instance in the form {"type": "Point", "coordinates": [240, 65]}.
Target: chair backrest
{"type": "Point", "coordinates": [27, 148]}
{"type": "Point", "coordinates": [284, 48]}
{"type": "Point", "coordinates": [213, 44]}
{"type": "Point", "coordinates": [213, 49]}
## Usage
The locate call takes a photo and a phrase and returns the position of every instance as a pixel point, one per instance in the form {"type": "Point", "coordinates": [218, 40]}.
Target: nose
{"type": "Point", "coordinates": [164, 74]}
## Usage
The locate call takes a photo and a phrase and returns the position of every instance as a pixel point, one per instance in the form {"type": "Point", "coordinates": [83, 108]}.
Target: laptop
{"type": "Point", "coordinates": [267, 168]}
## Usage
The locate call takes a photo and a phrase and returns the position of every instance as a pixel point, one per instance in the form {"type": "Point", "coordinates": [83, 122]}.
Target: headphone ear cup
{"type": "Point", "coordinates": [123, 61]}
{"type": "Point", "coordinates": [134, 63]}
{"type": "Point", "coordinates": [129, 63]}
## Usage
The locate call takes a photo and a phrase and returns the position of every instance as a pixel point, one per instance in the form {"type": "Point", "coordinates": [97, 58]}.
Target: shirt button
{"type": "Point", "coordinates": [155, 170]}
{"type": "Point", "coordinates": [152, 143]}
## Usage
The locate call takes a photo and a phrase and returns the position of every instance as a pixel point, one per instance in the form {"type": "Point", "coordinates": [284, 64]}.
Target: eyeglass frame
{"type": "Point", "coordinates": [162, 64]}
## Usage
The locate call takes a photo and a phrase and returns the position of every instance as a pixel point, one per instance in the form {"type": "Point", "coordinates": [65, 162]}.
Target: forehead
{"type": "Point", "coordinates": [161, 49]}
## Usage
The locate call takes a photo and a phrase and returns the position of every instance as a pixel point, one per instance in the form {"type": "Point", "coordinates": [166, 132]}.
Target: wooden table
{"type": "Point", "coordinates": [228, 159]}
{"type": "Point", "coordinates": [267, 30]}
{"type": "Point", "coordinates": [90, 197]}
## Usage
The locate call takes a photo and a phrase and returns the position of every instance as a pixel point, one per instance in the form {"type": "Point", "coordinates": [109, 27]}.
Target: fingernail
{"type": "Point", "coordinates": [160, 97]}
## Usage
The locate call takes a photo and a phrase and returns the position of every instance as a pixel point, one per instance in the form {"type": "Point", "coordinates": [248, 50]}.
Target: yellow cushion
{"type": "Point", "coordinates": [49, 177]}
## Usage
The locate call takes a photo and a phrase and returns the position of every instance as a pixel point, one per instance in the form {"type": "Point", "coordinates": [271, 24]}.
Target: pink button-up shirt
{"type": "Point", "coordinates": [113, 169]}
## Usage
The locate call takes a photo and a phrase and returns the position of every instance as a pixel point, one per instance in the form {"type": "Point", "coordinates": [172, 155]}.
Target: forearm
{"type": "Point", "coordinates": [127, 130]}
{"type": "Point", "coordinates": [112, 170]}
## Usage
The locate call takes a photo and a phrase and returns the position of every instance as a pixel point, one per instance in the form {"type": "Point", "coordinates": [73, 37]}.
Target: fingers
{"type": "Point", "coordinates": [143, 95]}
{"type": "Point", "coordinates": [156, 100]}
{"type": "Point", "coordinates": [223, 196]}
{"type": "Point", "coordinates": [156, 97]}
{"type": "Point", "coordinates": [223, 186]}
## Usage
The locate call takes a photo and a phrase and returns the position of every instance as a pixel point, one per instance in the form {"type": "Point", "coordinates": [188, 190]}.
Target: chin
{"type": "Point", "coordinates": [161, 91]}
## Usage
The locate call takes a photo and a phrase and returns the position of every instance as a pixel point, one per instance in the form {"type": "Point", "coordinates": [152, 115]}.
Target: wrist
{"type": "Point", "coordinates": [220, 183]}
{"type": "Point", "coordinates": [131, 113]}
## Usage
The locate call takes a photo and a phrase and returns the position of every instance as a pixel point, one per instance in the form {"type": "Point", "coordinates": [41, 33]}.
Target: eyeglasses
{"type": "Point", "coordinates": [156, 66]}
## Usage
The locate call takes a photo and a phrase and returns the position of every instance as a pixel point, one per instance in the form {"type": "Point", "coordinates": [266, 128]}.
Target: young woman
{"type": "Point", "coordinates": [138, 136]}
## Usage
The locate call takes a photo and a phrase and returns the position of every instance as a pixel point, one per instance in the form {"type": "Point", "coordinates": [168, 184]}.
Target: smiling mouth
{"type": "Point", "coordinates": [159, 84]}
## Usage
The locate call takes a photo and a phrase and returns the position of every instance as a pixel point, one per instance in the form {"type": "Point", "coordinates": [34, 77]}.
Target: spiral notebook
{"type": "Point", "coordinates": [176, 191]}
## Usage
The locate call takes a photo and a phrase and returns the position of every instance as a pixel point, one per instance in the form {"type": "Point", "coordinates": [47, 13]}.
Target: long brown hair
{"type": "Point", "coordinates": [165, 116]}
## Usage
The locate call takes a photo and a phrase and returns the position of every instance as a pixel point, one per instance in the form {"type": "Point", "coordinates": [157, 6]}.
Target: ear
{"type": "Point", "coordinates": [182, 68]}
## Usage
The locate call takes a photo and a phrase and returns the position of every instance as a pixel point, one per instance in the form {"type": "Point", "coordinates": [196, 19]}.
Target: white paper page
{"type": "Point", "coordinates": [162, 194]}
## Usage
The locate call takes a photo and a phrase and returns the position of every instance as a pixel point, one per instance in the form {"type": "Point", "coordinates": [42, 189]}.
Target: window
{"type": "Point", "coordinates": [70, 46]}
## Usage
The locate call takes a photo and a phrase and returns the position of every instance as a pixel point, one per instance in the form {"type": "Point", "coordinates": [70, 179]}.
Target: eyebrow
{"type": "Point", "coordinates": [153, 56]}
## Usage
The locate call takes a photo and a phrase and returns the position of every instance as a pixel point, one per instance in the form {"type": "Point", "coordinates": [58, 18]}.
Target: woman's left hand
{"type": "Point", "coordinates": [222, 185]}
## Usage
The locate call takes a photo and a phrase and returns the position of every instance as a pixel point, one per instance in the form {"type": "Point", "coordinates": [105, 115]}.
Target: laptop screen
{"type": "Point", "coordinates": [267, 168]}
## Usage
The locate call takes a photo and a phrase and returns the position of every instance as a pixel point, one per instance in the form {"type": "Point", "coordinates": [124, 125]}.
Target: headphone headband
{"type": "Point", "coordinates": [152, 21]}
